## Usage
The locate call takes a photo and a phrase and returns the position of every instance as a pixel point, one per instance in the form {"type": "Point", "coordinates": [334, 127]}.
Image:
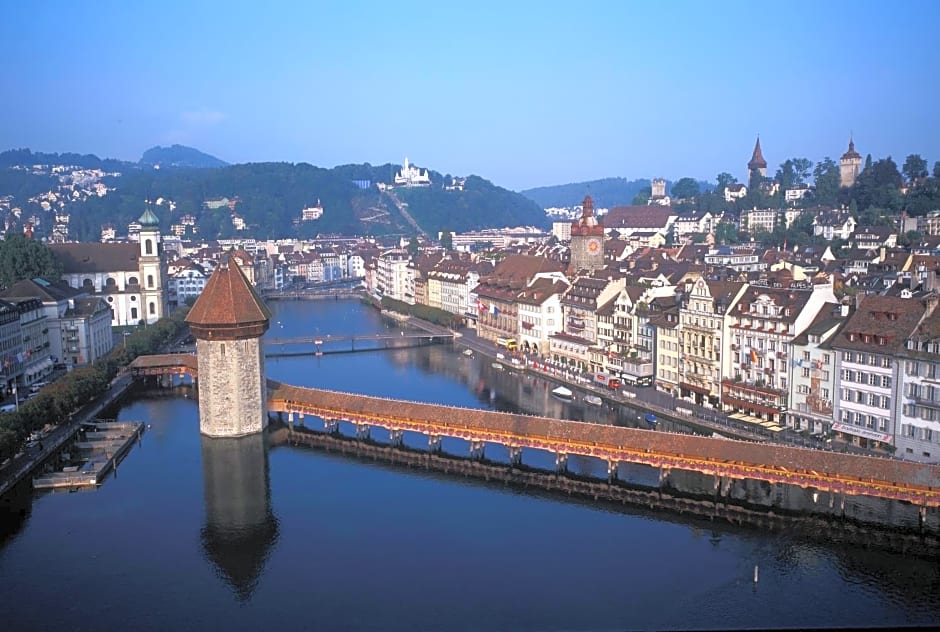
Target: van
{"type": "Point", "coordinates": [9, 408]}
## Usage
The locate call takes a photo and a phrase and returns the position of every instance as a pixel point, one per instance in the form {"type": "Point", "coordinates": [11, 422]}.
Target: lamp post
{"type": "Point", "coordinates": [125, 334]}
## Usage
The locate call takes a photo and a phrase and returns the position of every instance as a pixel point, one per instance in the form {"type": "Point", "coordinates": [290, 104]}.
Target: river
{"type": "Point", "coordinates": [236, 534]}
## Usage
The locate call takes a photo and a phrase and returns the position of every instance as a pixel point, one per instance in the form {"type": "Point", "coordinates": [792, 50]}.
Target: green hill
{"type": "Point", "coordinates": [269, 198]}
{"type": "Point", "coordinates": [180, 156]}
{"type": "Point", "coordinates": [606, 193]}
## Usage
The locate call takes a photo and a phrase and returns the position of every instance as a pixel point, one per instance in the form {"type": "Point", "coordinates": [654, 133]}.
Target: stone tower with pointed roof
{"type": "Point", "coordinates": [228, 320]}
{"type": "Point", "coordinates": [152, 268]}
{"type": "Point", "coordinates": [587, 240]}
{"type": "Point", "coordinates": [849, 165]}
{"type": "Point", "coordinates": [757, 161]}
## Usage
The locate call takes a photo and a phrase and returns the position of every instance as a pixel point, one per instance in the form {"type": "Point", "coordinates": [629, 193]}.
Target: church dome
{"type": "Point", "coordinates": [149, 219]}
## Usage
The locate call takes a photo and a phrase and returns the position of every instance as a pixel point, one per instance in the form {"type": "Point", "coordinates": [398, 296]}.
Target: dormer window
{"type": "Point", "coordinates": [851, 337]}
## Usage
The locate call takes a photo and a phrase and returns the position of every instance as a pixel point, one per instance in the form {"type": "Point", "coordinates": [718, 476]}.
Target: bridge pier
{"type": "Point", "coordinates": [561, 462]}
{"type": "Point", "coordinates": [515, 456]}
{"type": "Point", "coordinates": [331, 426]}
{"type": "Point", "coordinates": [363, 431]}
{"type": "Point", "coordinates": [396, 438]}
{"type": "Point", "coordinates": [290, 418]}
{"type": "Point", "coordinates": [477, 450]}
{"type": "Point", "coordinates": [612, 470]}
{"type": "Point", "coordinates": [434, 444]}
{"type": "Point", "coordinates": [726, 482]}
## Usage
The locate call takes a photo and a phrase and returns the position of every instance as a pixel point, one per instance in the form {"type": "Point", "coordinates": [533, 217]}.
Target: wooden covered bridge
{"type": "Point", "coordinates": [723, 458]}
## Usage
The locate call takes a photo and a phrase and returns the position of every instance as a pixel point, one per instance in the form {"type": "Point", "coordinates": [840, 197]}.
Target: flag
{"type": "Point", "coordinates": [493, 309]}
{"type": "Point", "coordinates": [753, 357]}
{"type": "Point", "coordinates": [481, 306]}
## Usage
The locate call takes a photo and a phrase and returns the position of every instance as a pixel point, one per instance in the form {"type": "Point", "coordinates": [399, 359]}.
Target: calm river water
{"type": "Point", "coordinates": [235, 534]}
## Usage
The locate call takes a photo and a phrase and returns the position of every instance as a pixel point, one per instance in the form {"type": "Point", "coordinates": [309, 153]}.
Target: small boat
{"type": "Point", "coordinates": [563, 393]}
{"type": "Point", "coordinates": [497, 366]}
{"type": "Point", "coordinates": [593, 400]}
{"type": "Point", "coordinates": [468, 352]}
{"type": "Point", "coordinates": [651, 419]}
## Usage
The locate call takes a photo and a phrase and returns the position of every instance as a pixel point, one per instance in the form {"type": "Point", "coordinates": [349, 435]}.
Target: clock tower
{"type": "Point", "coordinates": [587, 241]}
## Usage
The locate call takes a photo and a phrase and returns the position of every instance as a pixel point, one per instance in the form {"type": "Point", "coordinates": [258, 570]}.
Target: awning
{"type": "Point", "coordinates": [860, 431]}
{"type": "Point", "coordinates": [697, 389]}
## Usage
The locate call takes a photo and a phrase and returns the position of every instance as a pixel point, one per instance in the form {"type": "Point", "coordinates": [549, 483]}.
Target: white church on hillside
{"type": "Point", "coordinates": [411, 176]}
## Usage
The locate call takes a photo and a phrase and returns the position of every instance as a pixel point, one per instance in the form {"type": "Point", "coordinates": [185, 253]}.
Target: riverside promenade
{"type": "Point", "coordinates": [26, 462]}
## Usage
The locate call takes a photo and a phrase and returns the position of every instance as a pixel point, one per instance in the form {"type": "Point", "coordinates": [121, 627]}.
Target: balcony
{"type": "Point", "coordinates": [920, 400]}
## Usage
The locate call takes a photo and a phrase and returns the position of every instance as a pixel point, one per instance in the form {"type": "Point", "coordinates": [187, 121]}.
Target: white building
{"type": "Point", "coordinates": [411, 176]}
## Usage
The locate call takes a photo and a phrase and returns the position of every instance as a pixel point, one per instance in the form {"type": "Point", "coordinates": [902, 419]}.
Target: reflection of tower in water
{"type": "Point", "coordinates": [240, 529]}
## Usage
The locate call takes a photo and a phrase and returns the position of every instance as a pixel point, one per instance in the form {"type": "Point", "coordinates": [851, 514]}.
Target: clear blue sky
{"type": "Point", "coordinates": [522, 93]}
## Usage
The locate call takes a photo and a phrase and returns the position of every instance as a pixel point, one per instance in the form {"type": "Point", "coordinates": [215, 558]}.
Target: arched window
{"type": "Point", "coordinates": [149, 280]}
{"type": "Point", "coordinates": [88, 285]}
{"type": "Point", "coordinates": [153, 308]}
{"type": "Point", "coordinates": [133, 313]}
{"type": "Point", "coordinates": [132, 280]}
{"type": "Point", "coordinates": [110, 285]}
{"type": "Point", "coordinates": [148, 247]}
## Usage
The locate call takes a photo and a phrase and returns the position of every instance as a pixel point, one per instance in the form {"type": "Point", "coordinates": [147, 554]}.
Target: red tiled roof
{"type": "Point", "coordinates": [638, 217]}
{"type": "Point", "coordinates": [228, 306]}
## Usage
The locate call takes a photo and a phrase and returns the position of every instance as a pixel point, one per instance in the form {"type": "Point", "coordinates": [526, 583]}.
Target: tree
{"type": "Point", "coordinates": [936, 169]}
{"type": "Point", "coordinates": [643, 197]}
{"type": "Point", "coordinates": [915, 168]}
{"type": "Point", "coordinates": [413, 246]}
{"type": "Point", "coordinates": [23, 258]}
{"type": "Point", "coordinates": [685, 188]}
{"type": "Point", "coordinates": [802, 167]}
{"type": "Point", "coordinates": [725, 180]}
{"type": "Point", "coordinates": [727, 233]}
{"type": "Point", "coordinates": [826, 180]}
{"type": "Point", "coordinates": [447, 240]}
{"type": "Point", "coordinates": [786, 175]}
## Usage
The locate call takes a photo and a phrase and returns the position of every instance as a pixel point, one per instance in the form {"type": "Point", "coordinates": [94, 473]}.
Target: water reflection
{"type": "Point", "coordinates": [240, 530]}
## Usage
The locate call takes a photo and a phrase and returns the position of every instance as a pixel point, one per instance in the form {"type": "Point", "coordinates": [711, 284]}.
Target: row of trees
{"type": "Point", "coordinates": [57, 401]}
{"type": "Point", "coordinates": [880, 188]}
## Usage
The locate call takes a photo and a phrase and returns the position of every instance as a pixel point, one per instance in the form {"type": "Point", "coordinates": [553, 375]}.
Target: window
{"type": "Point", "coordinates": [153, 308]}
{"type": "Point", "coordinates": [886, 362]}
{"type": "Point", "coordinates": [825, 358]}
{"type": "Point", "coordinates": [150, 280]}
{"type": "Point", "coordinates": [805, 371]}
{"type": "Point", "coordinates": [886, 381]}
{"type": "Point", "coordinates": [806, 356]}
{"type": "Point", "coordinates": [133, 313]}
{"type": "Point", "coordinates": [148, 247]}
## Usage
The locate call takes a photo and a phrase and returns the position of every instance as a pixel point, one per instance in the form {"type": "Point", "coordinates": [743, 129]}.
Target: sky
{"type": "Point", "coordinates": [523, 93]}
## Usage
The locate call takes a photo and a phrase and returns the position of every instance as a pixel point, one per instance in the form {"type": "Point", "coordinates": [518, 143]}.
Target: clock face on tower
{"type": "Point", "coordinates": [593, 245]}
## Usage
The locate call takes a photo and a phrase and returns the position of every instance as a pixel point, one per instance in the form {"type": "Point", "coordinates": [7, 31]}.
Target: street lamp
{"type": "Point", "coordinates": [125, 334]}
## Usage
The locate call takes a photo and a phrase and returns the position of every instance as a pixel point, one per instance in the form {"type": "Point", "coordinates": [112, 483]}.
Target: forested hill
{"type": "Point", "coordinates": [180, 156]}
{"type": "Point", "coordinates": [268, 197]}
{"type": "Point", "coordinates": [606, 193]}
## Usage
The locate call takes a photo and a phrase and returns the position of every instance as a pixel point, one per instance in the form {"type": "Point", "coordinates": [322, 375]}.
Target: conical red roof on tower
{"type": "Point", "coordinates": [757, 159]}
{"type": "Point", "coordinates": [228, 308]}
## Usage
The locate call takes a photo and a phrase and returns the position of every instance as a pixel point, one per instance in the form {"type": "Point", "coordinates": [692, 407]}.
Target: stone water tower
{"type": "Point", "coordinates": [228, 320]}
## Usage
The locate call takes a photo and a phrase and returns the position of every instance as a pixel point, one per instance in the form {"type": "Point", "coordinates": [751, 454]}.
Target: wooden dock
{"type": "Point", "coordinates": [102, 450]}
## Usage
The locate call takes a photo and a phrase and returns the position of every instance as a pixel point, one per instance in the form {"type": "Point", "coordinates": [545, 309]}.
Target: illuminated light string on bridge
{"type": "Point", "coordinates": [848, 474]}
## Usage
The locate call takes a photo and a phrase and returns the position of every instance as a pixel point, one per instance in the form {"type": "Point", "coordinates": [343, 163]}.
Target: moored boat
{"type": "Point", "coordinates": [593, 400]}
{"type": "Point", "coordinates": [563, 393]}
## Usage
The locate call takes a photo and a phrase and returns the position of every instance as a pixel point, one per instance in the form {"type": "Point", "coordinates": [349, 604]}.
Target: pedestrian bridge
{"type": "Point", "coordinates": [725, 459]}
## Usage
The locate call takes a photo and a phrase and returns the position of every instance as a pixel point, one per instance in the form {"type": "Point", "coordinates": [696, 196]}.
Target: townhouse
{"type": "Point", "coordinates": [705, 325]}
{"type": "Point", "coordinates": [868, 352]}
{"type": "Point", "coordinates": [765, 321]}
